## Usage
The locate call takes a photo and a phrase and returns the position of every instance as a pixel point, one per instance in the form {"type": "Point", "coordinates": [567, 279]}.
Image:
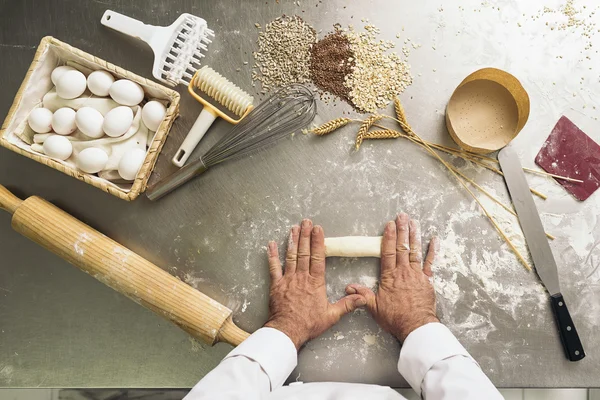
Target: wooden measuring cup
{"type": "Point", "coordinates": [487, 110]}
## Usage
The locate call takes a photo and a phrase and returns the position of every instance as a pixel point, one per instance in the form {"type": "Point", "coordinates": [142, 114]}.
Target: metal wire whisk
{"type": "Point", "coordinates": [288, 110]}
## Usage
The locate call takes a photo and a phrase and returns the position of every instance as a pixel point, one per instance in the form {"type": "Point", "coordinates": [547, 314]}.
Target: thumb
{"type": "Point", "coordinates": [364, 292]}
{"type": "Point", "coordinates": [347, 304]}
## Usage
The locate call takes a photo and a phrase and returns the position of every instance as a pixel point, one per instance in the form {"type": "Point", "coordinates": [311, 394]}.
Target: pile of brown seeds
{"type": "Point", "coordinates": [332, 60]}
{"type": "Point", "coordinates": [283, 54]}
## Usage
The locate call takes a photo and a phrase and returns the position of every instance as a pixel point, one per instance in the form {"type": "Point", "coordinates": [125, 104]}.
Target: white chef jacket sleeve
{"type": "Point", "coordinates": [252, 370]}
{"type": "Point", "coordinates": [438, 367]}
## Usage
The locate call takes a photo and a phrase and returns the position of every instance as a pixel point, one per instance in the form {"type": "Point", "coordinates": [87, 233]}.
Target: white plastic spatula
{"type": "Point", "coordinates": [177, 48]}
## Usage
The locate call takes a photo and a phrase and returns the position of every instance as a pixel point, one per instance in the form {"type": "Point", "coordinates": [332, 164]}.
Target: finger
{"type": "Point", "coordinates": [346, 305]}
{"type": "Point", "coordinates": [291, 257]}
{"type": "Point", "coordinates": [317, 252]}
{"type": "Point", "coordinates": [274, 263]}
{"type": "Point", "coordinates": [402, 241]}
{"type": "Point", "coordinates": [416, 252]}
{"type": "Point", "coordinates": [366, 293]}
{"type": "Point", "coordinates": [434, 246]}
{"type": "Point", "coordinates": [388, 248]}
{"type": "Point", "coordinates": [304, 246]}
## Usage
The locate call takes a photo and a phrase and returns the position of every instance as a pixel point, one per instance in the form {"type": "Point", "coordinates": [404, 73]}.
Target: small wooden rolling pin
{"type": "Point", "coordinates": [121, 269]}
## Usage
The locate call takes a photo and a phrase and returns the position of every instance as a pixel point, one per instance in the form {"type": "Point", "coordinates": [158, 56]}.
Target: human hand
{"type": "Point", "coordinates": [298, 303]}
{"type": "Point", "coordinates": [406, 298]}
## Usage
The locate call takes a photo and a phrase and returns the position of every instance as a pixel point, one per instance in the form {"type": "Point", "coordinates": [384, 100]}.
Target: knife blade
{"type": "Point", "coordinates": [539, 248]}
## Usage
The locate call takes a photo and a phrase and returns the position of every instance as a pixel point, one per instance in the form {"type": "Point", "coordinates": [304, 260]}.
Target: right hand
{"type": "Point", "coordinates": [406, 298]}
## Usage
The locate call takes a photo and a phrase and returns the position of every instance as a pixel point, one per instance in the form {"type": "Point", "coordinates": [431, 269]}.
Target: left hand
{"type": "Point", "coordinates": [298, 303]}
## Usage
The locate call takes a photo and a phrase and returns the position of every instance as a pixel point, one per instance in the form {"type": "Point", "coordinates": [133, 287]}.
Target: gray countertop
{"type": "Point", "coordinates": [60, 328]}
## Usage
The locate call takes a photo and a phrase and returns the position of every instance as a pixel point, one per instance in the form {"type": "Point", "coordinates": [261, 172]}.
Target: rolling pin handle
{"type": "Point", "coordinates": [8, 201]}
{"type": "Point", "coordinates": [231, 333]}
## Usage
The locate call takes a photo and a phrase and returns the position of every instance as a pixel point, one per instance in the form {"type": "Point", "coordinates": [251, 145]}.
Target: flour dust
{"type": "Point", "coordinates": [484, 294]}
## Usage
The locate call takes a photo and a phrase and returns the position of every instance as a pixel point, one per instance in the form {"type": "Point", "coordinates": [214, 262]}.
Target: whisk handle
{"type": "Point", "coordinates": [172, 182]}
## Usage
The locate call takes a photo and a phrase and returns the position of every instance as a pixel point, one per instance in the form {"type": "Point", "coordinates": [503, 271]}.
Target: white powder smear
{"type": "Point", "coordinates": [483, 292]}
{"type": "Point", "coordinates": [370, 340]}
{"type": "Point", "coordinates": [79, 244]}
{"type": "Point", "coordinates": [369, 281]}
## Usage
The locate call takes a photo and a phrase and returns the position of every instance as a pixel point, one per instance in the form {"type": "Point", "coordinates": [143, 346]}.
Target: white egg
{"type": "Point", "coordinates": [63, 121]}
{"type": "Point", "coordinates": [152, 114]}
{"type": "Point", "coordinates": [58, 147]}
{"type": "Point", "coordinates": [118, 121]}
{"type": "Point", "coordinates": [58, 71]}
{"type": "Point", "coordinates": [71, 85]}
{"type": "Point", "coordinates": [89, 122]}
{"type": "Point", "coordinates": [92, 160]}
{"type": "Point", "coordinates": [130, 163]}
{"type": "Point", "coordinates": [126, 92]}
{"type": "Point", "coordinates": [40, 120]}
{"type": "Point", "coordinates": [99, 82]}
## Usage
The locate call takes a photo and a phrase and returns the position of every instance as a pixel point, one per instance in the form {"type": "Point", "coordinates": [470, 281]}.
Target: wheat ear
{"type": "Point", "coordinates": [330, 126]}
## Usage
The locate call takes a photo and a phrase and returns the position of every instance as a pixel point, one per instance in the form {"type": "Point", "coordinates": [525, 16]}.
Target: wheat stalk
{"type": "Point", "coordinates": [417, 139]}
{"type": "Point", "coordinates": [399, 111]}
{"type": "Point", "coordinates": [364, 128]}
{"type": "Point", "coordinates": [392, 134]}
{"type": "Point", "coordinates": [510, 244]}
{"type": "Point", "coordinates": [382, 134]}
{"type": "Point", "coordinates": [330, 126]}
{"type": "Point", "coordinates": [463, 154]}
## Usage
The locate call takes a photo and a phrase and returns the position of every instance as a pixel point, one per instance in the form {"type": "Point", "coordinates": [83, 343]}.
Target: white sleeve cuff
{"type": "Point", "coordinates": [424, 347]}
{"type": "Point", "coordinates": [273, 350]}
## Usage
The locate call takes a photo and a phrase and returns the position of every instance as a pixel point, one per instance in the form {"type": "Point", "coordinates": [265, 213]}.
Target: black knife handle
{"type": "Point", "coordinates": [568, 333]}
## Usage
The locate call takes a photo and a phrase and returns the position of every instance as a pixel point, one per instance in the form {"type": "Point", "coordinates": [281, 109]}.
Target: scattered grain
{"type": "Point", "coordinates": [572, 20]}
{"type": "Point", "coordinates": [379, 74]}
{"type": "Point", "coordinates": [283, 54]}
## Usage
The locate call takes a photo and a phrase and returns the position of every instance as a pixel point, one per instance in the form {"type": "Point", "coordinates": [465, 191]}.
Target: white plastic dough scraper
{"type": "Point", "coordinates": [177, 48]}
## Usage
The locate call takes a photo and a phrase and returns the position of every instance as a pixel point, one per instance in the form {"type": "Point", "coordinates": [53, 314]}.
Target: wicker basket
{"type": "Point", "coordinates": [51, 53]}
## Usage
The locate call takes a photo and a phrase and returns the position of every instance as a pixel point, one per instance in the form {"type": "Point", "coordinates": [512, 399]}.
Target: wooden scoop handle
{"type": "Point", "coordinates": [121, 269]}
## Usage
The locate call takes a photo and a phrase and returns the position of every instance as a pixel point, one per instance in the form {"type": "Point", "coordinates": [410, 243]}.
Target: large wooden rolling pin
{"type": "Point", "coordinates": [121, 269]}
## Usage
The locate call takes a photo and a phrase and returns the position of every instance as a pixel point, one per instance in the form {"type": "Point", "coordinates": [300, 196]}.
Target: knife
{"type": "Point", "coordinates": [544, 263]}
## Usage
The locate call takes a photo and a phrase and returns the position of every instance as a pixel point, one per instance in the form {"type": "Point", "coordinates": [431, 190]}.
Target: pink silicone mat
{"type": "Point", "coordinates": [569, 152]}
